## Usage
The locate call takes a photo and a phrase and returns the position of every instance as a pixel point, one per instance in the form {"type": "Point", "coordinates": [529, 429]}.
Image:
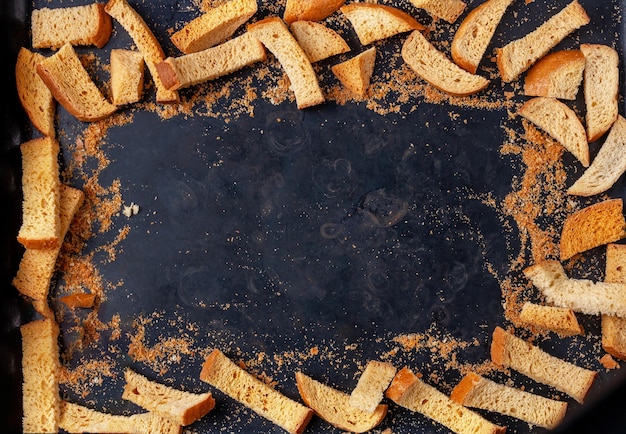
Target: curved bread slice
{"type": "Point", "coordinates": [72, 87]}
{"type": "Point", "coordinates": [479, 392]}
{"type": "Point", "coordinates": [408, 391]}
{"type": "Point", "coordinates": [614, 327]}
{"type": "Point", "coordinates": [356, 73]}
{"type": "Point", "coordinates": [370, 388]}
{"type": "Point", "coordinates": [557, 319]}
{"type": "Point", "coordinates": [592, 226]}
{"type": "Point", "coordinates": [556, 75]}
{"type": "Point", "coordinates": [310, 10]}
{"type": "Point", "coordinates": [274, 34]}
{"type": "Point", "coordinates": [373, 22]}
{"type": "Point", "coordinates": [601, 88]}
{"type": "Point", "coordinates": [214, 26]}
{"type": "Point", "coordinates": [209, 64]}
{"type": "Point", "coordinates": [333, 406]}
{"type": "Point", "coordinates": [434, 67]}
{"type": "Point", "coordinates": [475, 33]}
{"type": "Point", "coordinates": [146, 43]}
{"type": "Point", "coordinates": [507, 350]}
{"type": "Point", "coordinates": [76, 25]}
{"type": "Point", "coordinates": [318, 41]}
{"type": "Point", "coordinates": [580, 295]}
{"type": "Point", "coordinates": [608, 165]}
{"type": "Point", "coordinates": [560, 122]}
{"type": "Point", "coordinates": [517, 56]}
{"type": "Point", "coordinates": [34, 95]}
{"type": "Point", "coordinates": [448, 10]}
{"type": "Point", "coordinates": [222, 373]}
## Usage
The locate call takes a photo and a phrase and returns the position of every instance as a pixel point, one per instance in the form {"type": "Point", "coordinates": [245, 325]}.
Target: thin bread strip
{"type": "Point", "coordinates": [220, 372]}
{"type": "Point", "coordinates": [76, 418]}
{"type": "Point", "coordinates": [374, 22]}
{"type": "Point", "coordinates": [601, 88]}
{"type": "Point", "coordinates": [580, 295]}
{"type": "Point", "coordinates": [276, 37]}
{"type": "Point", "coordinates": [479, 392]}
{"type": "Point", "coordinates": [72, 87]}
{"type": "Point", "coordinates": [127, 76]}
{"type": "Point", "coordinates": [517, 56]}
{"type": "Point", "coordinates": [592, 226]}
{"type": "Point", "coordinates": [146, 43]}
{"type": "Point", "coordinates": [191, 69]}
{"type": "Point", "coordinates": [34, 95]}
{"type": "Point", "coordinates": [613, 327]}
{"type": "Point", "coordinates": [318, 41]}
{"type": "Point", "coordinates": [41, 187]}
{"type": "Point", "coordinates": [557, 319]}
{"type": "Point", "coordinates": [37, 266]}
{"type": "Point", "coordinates": [214, 26]}
{"type": "Point", "coordinates": [437, 69]}
{"type": "Point", "coordinates": [408, 391]}
{"type": "Point", "coordinates": [76, 25]}
{"type": "Point", "coordinates": [370, 388]}
{"type": "Point", "coordinates": [557, 75]}
{"type": "Point", "coordinates": [561, 123]}
{"type": "Point", "coordinates": [310, 10]}
{"type": "Point", "coordinates": [448, 10]}
{"type": "Point", "coordinates": [607, 166]}
{"type": "Point", "coordinates": [41, 402]}
{"type": "Point", "coordinates": [333, 406]}
{"type": "Point", "coordinates": [507, 350]}
{"type": "Point", "coordinates": [356, 72]}
{"type": "Point", "coordinates": [176, 405]}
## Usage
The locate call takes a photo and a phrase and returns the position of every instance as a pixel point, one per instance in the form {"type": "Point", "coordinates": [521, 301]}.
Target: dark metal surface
{"type": "Point", "coordinates": [333, 227]}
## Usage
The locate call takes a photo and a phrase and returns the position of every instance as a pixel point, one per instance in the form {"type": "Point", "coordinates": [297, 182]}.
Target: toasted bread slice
{"type": "Point", "coordinates": [437, 69]}
{"type": "Point", "coordinates": [593, 226]}
{"type": "Point", "coordinates": [209, 64]}
{"type": "Point", "coordinates": [601, 88]}
{"type": "Point", "coordinates": [608, 165]}
{"type": "Point", "coordinates": [275, 36]}
{"type": "Point", "coordinates": [214, 26]}
{"type": "Point", "coordinates": [408, 391]}
{"type": "Point", "coordinates": [35, 97]}
{"type": "Point", "coordinates": [220, 372]}
{"type": "Point", "coordinates": [127, 76]}
{"type": "Point", "coordinates": [373, 22]}
{"type": "Point", "coordinates": [557, 319]}
{"type": "Point", "coordinates": [310, 10]}
{"type": "Point", "coordinates": [75, 25]}
{"type": "Point", "coordinates": [507, 350]}
{"type": "Point", "coordinates": [370, 388]}
{"type": "Point", "coordinates": [146, 43]}
{"type": "Point", "coordinates": [72, 87]}
{"type": "Point", "coordinates": [560, 122]}
{"type": "Point", "coordinates": [556, 75]}
{"type": "Point", "coordinates": [333, 406]}
{"type": "Point", "coordinates": [479, 392]}
{"type": "Point", "coordinates": [356, 73]}
{"type": "Point", "coordinates": [475, 33]}
{"type": "Point", "coordinates": [517, 56]}
{"type": "Point", "coordinates": [318, 41]}
{"type": "Point", "coordinates": [614, 327]}
{"type": "Point", "coordinates": [448, 10]}
{"type": "Point", "coordinates": [580, 295]}
{"type": "Point", "coordinates": [82, 300]}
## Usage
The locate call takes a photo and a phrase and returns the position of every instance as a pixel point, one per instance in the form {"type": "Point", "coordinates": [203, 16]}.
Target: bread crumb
{"type": "Point", "coordinates": [609, 362]}
{"type": "Point", "coordinates": [130, 210]}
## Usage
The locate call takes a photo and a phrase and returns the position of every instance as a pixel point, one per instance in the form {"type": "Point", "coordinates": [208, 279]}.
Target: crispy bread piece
{"type": "Point", "coordinates": [613, 327]}
{"type": "Point", "coordinates": [507, 350]}
{"type": "Point", "coordinates": [557, 319]}
{"type": "Point", "coordinates": [479, 392]}
{"type": "Point", "coordinates": [560, 122]}
{"type": "Point", "coordinates": [72, 87]}
{"type": "Point", "coordinates": [557, 75]}
{"type": "Point", "coordinates": [448, 10]}
{"type": "Point", "coordinates": [76, 25]}
{"type": "Point", "coordinates": [220, 372]}
{"type": "Point", "coordinates": [80, 299]}
{"type": "Point", "coordinates": [475, 33]}
{"type": "Point", "coordinates": [318, 41]}
{"type": "Point", "coordinates": [35, 97]}
{"type": "Point", "coordinates": [517, 56]}
{"type": "Point", "coordinates": [214, 26]}
{"type": "Point", "coordinates": [127, 76]}
{"type": "Point", "coordinates": [275, 36]}
{"type": "Point", "coordinates": [592, 226]}
{"type": "Point", "coordinates": [373, 22]}
{"type": "Point", "coordinates": [408, 391]}
{"type": "Point", "coordinates": [370, 388]}
{"type": "Point", "coordinates": [209, 64]}
{"type": "Point", "coordinates": [435, 67]}
{"type": "Point", "coordinates": [356, 72]}
{"type": "Point", "coordinates": [607, 166]}
{"type": "Point", "coordinates": [310, 10]}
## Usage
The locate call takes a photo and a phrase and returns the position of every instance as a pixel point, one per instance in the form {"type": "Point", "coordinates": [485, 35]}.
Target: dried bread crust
{"type": "Point", "coordinates": [310, 10]}
{"type": "Point", "coordinates": [558, 75]}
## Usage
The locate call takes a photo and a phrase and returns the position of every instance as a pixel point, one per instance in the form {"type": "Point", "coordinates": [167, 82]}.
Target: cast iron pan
{"type": "Point", "coordinates": [334, 228]}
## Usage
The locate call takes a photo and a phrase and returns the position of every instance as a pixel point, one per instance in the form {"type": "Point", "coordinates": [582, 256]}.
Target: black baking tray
{"type": "Point", "coordinates": [333, 228]}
